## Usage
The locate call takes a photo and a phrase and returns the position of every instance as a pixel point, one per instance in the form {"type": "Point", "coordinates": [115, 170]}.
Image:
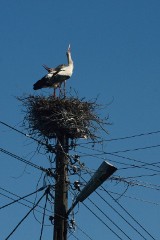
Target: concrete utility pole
{"type": "Point", "coordinates": [61, 190]}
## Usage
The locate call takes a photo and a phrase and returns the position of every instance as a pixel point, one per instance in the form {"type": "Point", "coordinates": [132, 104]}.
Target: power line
{"type": "Point", "coordinates": [120, 215]}
{"type": "Point", "coordinates": [136, 183]}
{"type": "Point", "coordinates": [132, 159]}
{"type": "Point", "coordinates": [107, 153]}
{"type": "Point", "coordinates": [135, 198]}
{"type": "Point", "coordinates": [84, 233]}
{"type": "Point", "coordinates": [25, 216]}
{"type": "Point", "coordinates": [107, 140]}
{"type": "Point", "coordinates": [22, 133]}
{"type": "Point", "coordinates": [109, 219]}
{"type": "Point", "coordinates": [125, 164]}
{"type": "Point", "coordinates": [44, 213]}
{"type": "Point", "coordinates": [21, 198]}
{"type": "Point", "coordinates": [49, 146]}
{"type": "Point", "coordinates": [145, 175]}
{"type": "Point", "coordinates": [4, 195]}
{"type": "Point", "coordinates": [116, 212]}
{"type": "Point", "coordinates": [73, 236]}
{"type": "Point", "coordinates": [139, 166]}
{"type": "Point", "coordinates": [133, 136]}
{"type": "Point", "coordinates": [102, 221]}
{"type": "Point", "coordinates": [122, 138]}
{"type": "Point", "coordinates": [135, 160]}
{"type": "Point", "coordinates": [104, 140]}
{"type": "Point", "coordinates": [132, 166]}
{"type": "Point", "coordinates": [128, 213]}
{"type": "Point", "coordinates": [22, 160]}
{"type": "Point", "coordinates": [122, 151]}
{"type": "Point", "coordinates": [135, 149]}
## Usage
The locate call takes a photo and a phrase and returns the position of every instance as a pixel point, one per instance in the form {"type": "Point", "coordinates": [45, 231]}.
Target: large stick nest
{"type": "Point", "coordinates": [50, 117]}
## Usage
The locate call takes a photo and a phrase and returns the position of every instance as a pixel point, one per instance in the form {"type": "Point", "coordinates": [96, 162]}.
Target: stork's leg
{"type": "Point", "coordinates": [54, 93]}
{"type": "Point", "coordinates": [60, 91]}
{"type": "Point", "coordinates": [65, 88]}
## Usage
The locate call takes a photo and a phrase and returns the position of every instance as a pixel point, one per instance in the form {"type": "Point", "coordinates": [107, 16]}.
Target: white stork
{"type": "Point", "coordinates": [56, 76]}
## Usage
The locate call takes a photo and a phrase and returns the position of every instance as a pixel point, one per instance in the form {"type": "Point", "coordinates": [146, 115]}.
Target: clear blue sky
{"type": "Point", "coordinates": [116, 52]}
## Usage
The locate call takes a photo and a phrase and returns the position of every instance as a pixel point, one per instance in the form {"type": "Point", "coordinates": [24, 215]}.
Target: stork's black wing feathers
{"type": "Point", "coordinates": [56, 69]}
{"type": "Point", "coordinates": [43, 83]}
{"type": "Point", "coordinates": [48, 68]}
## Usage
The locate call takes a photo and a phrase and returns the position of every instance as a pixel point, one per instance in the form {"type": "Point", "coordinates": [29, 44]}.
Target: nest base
{"type": "Point", "coordinates": [51, 117]}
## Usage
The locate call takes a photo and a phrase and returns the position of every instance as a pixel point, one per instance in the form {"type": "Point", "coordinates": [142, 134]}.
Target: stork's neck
{"type": "Point", "coordinates": [70, 61]}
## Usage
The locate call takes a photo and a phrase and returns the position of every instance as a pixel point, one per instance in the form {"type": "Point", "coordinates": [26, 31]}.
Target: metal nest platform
{"type": "Point", "coordinates": [50, 117]}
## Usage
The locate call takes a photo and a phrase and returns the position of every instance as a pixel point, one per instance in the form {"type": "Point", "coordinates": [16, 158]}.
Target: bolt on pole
{"type": "Point", "coordinates": [61, 190]}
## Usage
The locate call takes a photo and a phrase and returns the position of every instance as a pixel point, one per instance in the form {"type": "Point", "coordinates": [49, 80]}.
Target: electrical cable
{"type": "Point", "coordinates": [84, 233]}
{"type": "Point", "coordinates": [107, 140]}
{"type": "Point", "coordinates": [44, 213]}
{"type": "Point", "coordinates": [135, 198]}
{"type": "Point", "coordinates": [101, 221]}
{"type": "Point", "coordinates": [115, 211]}
{"type": "Point", "coordinates": [135, 149]}
{"type": "Point", "coordinates": [132, 149]}
{"type": "Point", "coordinates": [73, 236]}
{"type": "Point", "coordinates": [120, 215]}
{"type": "Point", "coordinates": [141, 225]}
{"type": "Point", "coordinates": [128, 213]}
{"type": "Point", "coordinates": [104, 140]}
{"type": "Point", "coordinates": [22, 204]}
{"type": "Point", "coordinates": [123, 138]}
{"type": "Point", "coordinates": [136, 166]}
{"type": "Point", "coordinates": [25, 216]}
{"type": "Point", "coordinates": [49, 146]}
{"type": "Point", "coordinates": [126, 164]}
{"type": "Point", "coordinates": [135, 160]}
{"type": "Point", "coordinates": [23, 160]}
{"type": "Point", "coordinates": [96, 150]}
{"type": "Point", "coordinates": [145, 175]}
{"type": "Point", "coordinates": [147, 184]}
{"type": "Point", "coordinates": [136, 183]}
{"type": "Point", "coordinates": [103, 152]}
{"type": "Point", "coordinates": [21, 198]}
{"type": "Point", "coordinates": [122, 151]}
{"type": "Point", "coordinates": [102, 158]}
{"type": "Point", "coordinates": [109, 219]}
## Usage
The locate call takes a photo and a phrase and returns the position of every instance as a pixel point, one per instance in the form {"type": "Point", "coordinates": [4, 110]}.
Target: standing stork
{"type": "Point", "coordinates": [56, 76]}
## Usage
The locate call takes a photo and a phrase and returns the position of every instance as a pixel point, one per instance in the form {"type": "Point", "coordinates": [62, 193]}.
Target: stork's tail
{"type": "Point", "coordinates": [37, 86]}
{"type": "Point", "coordinates": [40, 84]}
{"type": "Point", "coordinates": [48, 68]}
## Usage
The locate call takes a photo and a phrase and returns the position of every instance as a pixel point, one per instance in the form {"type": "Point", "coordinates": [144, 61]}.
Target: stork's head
{"type": "Point", "coordinates": [69, 58]}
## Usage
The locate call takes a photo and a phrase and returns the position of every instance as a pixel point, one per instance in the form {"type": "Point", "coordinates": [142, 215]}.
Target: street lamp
{"type": "Point", "coordinates": [102, 174]}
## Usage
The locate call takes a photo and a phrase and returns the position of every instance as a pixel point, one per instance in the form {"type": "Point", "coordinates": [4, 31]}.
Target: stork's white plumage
{"type": "Point", "coordinates": [56, 76]}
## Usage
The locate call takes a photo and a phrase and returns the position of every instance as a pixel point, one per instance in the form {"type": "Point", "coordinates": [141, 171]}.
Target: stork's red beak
{"type": "Point", "coordinates": [69, 47]}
